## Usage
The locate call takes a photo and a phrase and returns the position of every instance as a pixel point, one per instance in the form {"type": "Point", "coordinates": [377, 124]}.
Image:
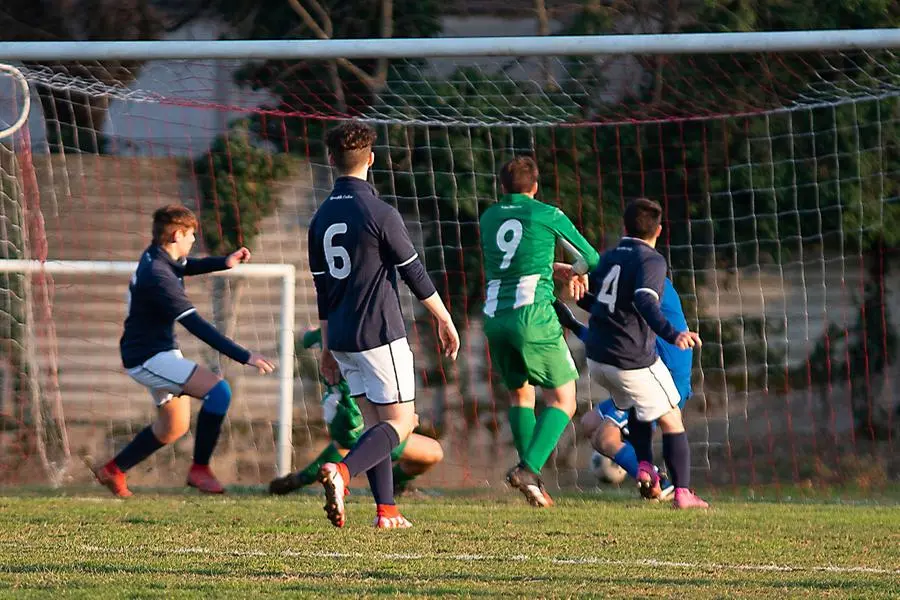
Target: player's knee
{"type": "Point", "coordinates": [590, 422]}
{"type": "Point", "coordinates": [403, 426]}
{"type": "Point", "coordinates": [671, 422]}
{"type": "Point", "coordinates": [180, 429]}
{"type": "Point", "coordinates": [218, 399]}
{"type": "Point", "coordinates": [522, 396]}
{"type": "Point", "coordinates": [563, 398]}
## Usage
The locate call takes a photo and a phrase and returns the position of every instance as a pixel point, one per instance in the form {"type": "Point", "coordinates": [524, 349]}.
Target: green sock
{"type": "Point", "coordinates": [521, 421]}
{"type": "Point", "coordinates": [401, 477]}
{"type": "Point", "coordinates": [547, 432]}
{"type": "Point", "coordinates": [329, 454]}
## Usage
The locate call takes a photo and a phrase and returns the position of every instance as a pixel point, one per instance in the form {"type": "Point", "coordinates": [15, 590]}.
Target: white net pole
{"type": "Point", "coordinates": [284, 272]}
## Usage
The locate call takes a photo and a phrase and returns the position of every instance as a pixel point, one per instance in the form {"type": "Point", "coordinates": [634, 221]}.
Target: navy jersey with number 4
{"type": "Point", "coordinates": [357, 245]}
{"type": "Point", "coordinates": [626, 317]}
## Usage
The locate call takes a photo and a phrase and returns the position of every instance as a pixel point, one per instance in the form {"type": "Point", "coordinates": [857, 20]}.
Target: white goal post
{"type": "Point", "coordinates": [284, 272]}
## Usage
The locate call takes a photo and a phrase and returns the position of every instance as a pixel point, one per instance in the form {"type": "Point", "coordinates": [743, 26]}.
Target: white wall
{"type": "Point", "coordinates": [159, 129]}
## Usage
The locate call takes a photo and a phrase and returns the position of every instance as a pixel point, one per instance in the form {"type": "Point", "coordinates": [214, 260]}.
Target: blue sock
{"type": "Point", "coordinates": [374, 446]}
{"type": "Point", "coordinates": [627, 459]}
{"type": "Point", "coordinates": [143, 445]}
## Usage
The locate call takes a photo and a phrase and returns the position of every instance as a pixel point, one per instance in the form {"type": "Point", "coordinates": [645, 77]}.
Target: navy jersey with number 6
{"type": "Point", "coordinates": [357, 245]}
{"type": "Point", "coordinates": [625, 314]}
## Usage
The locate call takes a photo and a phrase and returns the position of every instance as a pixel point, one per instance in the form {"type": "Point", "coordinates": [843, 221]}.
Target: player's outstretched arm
{"type": "Point", "coordinates": [568, 275]}
{"type": "Point", "coordinates": [211, 264]}
{"type": "Point", "coordinates": [585, 256]}
{"type": "Point", "coordinates": [205, 331]}
{"type": "Point", "coordinates": [648, 287]}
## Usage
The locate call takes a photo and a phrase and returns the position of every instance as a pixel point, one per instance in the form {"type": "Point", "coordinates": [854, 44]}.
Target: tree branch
{"type": "Point", "coordinates": [326, 33]}
{"type": "Point", "coordinates": [310, 21]}
{"type": "Point", "coordinates": [323, 16]}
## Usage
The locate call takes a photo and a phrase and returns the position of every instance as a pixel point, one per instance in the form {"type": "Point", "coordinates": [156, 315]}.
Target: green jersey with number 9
{"type": "Point", "coordinates": [518, 239]}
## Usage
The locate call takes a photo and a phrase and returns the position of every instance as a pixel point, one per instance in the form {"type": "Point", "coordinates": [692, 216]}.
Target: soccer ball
{"type": "Point", "coordinates": [605, 470]}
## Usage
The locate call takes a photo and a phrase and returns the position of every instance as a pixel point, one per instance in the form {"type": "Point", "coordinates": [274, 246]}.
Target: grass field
{"type": "Point", "coordinates": [180, 545]}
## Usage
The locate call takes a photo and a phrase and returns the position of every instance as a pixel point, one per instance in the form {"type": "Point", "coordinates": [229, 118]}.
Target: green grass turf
{"type": "Point", "coordinates": [180, 545]}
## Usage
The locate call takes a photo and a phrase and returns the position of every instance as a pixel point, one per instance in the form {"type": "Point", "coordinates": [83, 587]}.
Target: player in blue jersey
{"type": "Point", "coordinates": [150, 354]}
{"type": "Point", "coordinates": [357, 246]}
{"type": "Point", "coordinates": [626, 319]}
{"type": "Point", "coordinates": [606, 426]}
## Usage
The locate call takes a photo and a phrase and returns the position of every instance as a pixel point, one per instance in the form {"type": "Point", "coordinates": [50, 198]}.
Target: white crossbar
{"type": "Point", "coordinates": [675, 43]}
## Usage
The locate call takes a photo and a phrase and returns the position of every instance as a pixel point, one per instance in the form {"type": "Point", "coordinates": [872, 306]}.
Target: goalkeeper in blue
{"type": "Point", "coordinates": [415, 455]}
{"type": "Point", "coordinates": [606, 426]}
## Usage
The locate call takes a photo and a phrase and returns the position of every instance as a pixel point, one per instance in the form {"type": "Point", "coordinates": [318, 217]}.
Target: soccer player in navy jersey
{"type": "Point", "coordinates": [357, 246]}
{"type": "Point", "coordinates": [625, 320]}
{"type": "Point", "coordinates": [606, 426]}
{"type": "Point", "coordinates": [150, 354]}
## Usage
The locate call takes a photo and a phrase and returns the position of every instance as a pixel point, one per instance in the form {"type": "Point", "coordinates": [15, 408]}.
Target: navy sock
{"type": "Point", "coordinates": [209, 425]}
{"type": "Point", "coordinates": [375, 445]}
{"type": "Point", "coordinates": [640, 434]}
{"type": "Point", "coordinates": [143, 445]}
{"type": "Point", "coordinates": [381, 481]}
{"type": "Point", "coordinates": [677, 454]}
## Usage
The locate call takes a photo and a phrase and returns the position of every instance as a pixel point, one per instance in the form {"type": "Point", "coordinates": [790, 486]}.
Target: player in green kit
{"type": "Point", "coordinates": [518, 239]}
{"type": "Point", "coordinates": [415, 455]}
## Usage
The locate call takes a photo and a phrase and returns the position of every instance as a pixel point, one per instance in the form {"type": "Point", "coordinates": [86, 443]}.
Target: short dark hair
{"type": "Point", "coordinates": [519, 175]}
{"type": "Point", "coordinates": [169, 219]}
{"type": "Point", "coordinates": [350, 145]}
{"type": "Point", "coordinates": [642, 217]}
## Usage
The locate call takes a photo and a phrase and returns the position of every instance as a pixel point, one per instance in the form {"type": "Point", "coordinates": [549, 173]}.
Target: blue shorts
{"type": "Point", "coordinates": [607, 409]}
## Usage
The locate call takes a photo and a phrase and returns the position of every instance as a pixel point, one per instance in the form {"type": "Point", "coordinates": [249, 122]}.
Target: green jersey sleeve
{"type": "Point", "coordinates": [565, 229]}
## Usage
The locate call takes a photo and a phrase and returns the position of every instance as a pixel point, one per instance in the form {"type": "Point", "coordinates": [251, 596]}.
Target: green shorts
{"type": "Point", "coordinates": [527, 346]}
{"type": "Point", "coordinates": [347, 426]}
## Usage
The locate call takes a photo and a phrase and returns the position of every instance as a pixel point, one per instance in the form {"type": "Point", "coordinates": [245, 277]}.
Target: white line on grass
{"type": "Point", "coordinates": [638, 562]}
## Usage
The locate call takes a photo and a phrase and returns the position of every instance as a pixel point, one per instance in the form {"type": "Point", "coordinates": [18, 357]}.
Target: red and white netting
{"type": "Point", "coordinates": [778, 173]}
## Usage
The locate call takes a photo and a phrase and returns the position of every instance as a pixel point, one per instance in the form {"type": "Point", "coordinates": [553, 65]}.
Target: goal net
{"type": "Point", "coordinates": [777, 173]}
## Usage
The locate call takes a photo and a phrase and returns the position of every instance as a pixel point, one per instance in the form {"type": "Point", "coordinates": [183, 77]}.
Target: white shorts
{"type": "Point", "coordinates": [164, 374]}
{"type": "Point", "coordinates": [651, 391]}
{"type": "Point", "coordinates": [384, 375]}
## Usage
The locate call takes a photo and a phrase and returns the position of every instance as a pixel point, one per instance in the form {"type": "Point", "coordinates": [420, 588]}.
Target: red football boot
{"type": "Point", "coordinates": [202, 478]}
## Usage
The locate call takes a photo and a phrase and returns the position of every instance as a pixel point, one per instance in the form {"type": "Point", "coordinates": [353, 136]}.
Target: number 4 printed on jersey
{"type": "Point", "coordinates": [609, 289]}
